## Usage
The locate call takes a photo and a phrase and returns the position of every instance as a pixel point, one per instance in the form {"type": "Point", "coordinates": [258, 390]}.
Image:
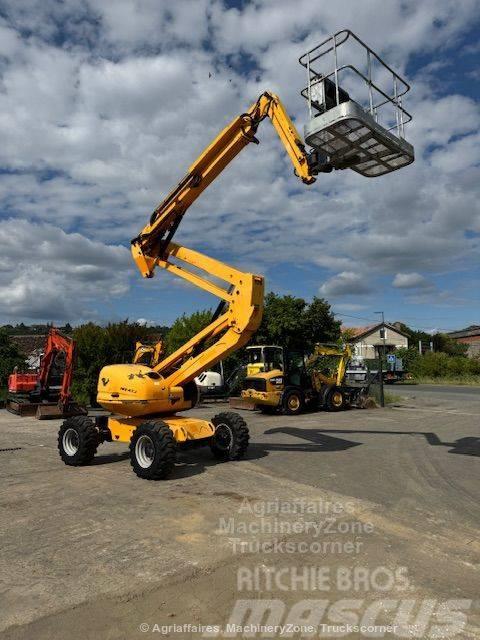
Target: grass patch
{"type": "Point", "coordinates": [391, 398]}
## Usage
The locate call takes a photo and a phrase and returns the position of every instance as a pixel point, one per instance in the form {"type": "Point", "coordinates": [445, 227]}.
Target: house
{"type": "Point", "coordinates": [470, 336]}
{"type": "Point", "coordinates": [368, 342]}
{"type": "Point", "coordinates": [31, 347]}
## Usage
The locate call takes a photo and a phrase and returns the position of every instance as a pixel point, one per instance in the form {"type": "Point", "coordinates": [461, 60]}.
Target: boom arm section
{"type": "Point", "coordinates": [57, 342]}
{"type": "Point", "coordinates": [237, 319]}
{"type": "Point", "coordinates": [152, 243]}
{"type": "Point", "coordinates": [241, 307]}
{"type": "Point", "coordinates": [320, 351]}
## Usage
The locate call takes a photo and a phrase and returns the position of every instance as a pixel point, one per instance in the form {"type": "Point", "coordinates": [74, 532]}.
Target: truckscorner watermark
{"type": "Point", "coordinates": [275, 546]}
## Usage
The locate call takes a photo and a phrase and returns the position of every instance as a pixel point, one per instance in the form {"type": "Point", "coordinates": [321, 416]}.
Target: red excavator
{"type": "Point", "coordinates": [46, 394]}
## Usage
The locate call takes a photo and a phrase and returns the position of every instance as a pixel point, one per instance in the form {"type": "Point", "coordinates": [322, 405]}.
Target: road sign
{"type": "Point", "coordinates": [391, 358]}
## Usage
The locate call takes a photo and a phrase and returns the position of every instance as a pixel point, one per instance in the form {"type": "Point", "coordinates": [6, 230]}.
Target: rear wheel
{"type": "Point", "coordinates": [153, 450]}
{"type": "Point", "coordinates": [293, 402]}
{"type": "Point", "coordinates": [336, 400]}
{"type": "Point", "coordinates": [78, 440]}
{"type": "Point", "coordinates": [231, 437]}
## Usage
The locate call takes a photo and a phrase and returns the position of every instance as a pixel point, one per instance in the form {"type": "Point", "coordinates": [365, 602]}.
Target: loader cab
{"type": "Point", "coordinates": [264, 358]}
{"type": "Point", "coordinates": [296, 370]}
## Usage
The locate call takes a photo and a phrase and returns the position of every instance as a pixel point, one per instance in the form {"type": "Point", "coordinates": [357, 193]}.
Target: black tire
{"type": "Point", "coordinates": [153, 450]}
{"type": "Point", "coordinates": [78, 439]}
{"type": "Point", "coordinates": [335, 400]}
{"type": "Point", "coordinates": [230, 441]}
{"type": "Point", "coordinates": [293, 402]}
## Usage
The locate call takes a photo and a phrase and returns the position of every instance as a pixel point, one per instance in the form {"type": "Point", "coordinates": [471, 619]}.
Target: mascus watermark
{"type": "Point", "coordinates": [407, 618]}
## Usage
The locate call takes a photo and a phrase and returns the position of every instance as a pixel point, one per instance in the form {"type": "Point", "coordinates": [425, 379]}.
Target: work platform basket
{"type": "Point", "coordinates": [366, 134]}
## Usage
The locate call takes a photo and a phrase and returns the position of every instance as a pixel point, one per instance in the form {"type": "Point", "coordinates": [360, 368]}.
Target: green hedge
{"type": "Point", "coordinates": [439, 365]}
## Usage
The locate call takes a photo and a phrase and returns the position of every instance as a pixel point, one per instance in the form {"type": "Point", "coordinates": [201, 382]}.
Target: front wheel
{"type": "Point", "coordinates": [293, 402]}
{"type": "Point", "coordinates": [153, 450]}
{"type": "Point", "coordinates": [336, 400]}
{"type": "Point", "coordinates": [231, 437]}
{"type": "Point", "coordinates": [78, 440]}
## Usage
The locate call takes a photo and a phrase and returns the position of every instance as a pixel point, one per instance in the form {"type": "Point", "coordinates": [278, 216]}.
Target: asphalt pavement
{"type": "Point", "coordinates": [380, 508]}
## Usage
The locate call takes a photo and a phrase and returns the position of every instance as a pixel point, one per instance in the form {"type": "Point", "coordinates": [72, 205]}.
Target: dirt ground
{"type": "Point", "coordinates": [359, 524]}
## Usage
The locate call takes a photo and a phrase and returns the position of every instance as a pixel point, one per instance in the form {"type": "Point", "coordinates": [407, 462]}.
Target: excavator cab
{"type": "Point", "coordinates": [366, 134]}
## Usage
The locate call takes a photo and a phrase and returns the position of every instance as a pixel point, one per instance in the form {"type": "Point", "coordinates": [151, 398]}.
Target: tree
{"type": "Point", "coordinates": [320, 323]}
{"type": "Point", "coordinates": [295, 324]}
{"type": "Point", "coordinates": [282, 321]}
{"type": "Point", "coordinates": [441, 341]}
{"type": "Point", "coordinates": [446, 344]}
{"type": "Point", "coordinates": [10, 357]}
{"type": "Point", "coordinates": [185, 327]}
{"type": "Point", "coordinates": [348, 333]}
{"type": "Point", "coordinates": [98, 346]}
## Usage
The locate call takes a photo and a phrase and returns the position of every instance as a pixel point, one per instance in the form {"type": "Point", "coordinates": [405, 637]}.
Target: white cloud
{"type": "Point", "coordinates": [49, 275]}
{"type": "Point", "coordinates": [345, 283]}
{"type": "Point", "coordinates": [410, 281]}
{"type": "Point", "coordinates": [97, 130]}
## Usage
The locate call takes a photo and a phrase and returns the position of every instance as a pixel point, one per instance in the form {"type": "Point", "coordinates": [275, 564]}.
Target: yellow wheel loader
{"type": "Point", "coordinates": [298, 383]}
{"type": "Point", "coordinates": [145, 402]}
{"type": "Point", "coordinates": [149, 354]}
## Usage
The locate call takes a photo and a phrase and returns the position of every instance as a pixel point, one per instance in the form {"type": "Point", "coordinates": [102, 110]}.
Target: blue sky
{"type": "Point", "coordinates": [103, 106]}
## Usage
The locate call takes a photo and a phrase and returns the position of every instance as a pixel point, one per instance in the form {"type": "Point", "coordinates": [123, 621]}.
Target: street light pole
{"type": "Point", "coordinates": [382, 394]}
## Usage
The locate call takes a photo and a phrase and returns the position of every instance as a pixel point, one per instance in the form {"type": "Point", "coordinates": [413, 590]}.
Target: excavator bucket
{"type": "Point", "coordinates": [50, 411]}
{"type": "Point", "coordinates": [365, 134]}
{"type": "Point", "coordinates": [21, 407]}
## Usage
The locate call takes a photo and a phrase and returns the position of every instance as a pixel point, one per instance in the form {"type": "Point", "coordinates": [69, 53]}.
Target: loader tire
{"type": "Point", "coordinates": [153, 450]}
{"type": "Point", "coordinates": [293, 402]}
{"type": "Point", "coordinates": [78, 439]}
{"type": "Point", "coordinates": [335, 400]}
{"type": "Point", "coordinates": [230, 441]}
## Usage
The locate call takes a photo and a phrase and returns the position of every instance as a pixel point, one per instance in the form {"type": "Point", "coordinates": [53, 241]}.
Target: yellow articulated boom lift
{"type": "Point", "coordinates": [145, 401]}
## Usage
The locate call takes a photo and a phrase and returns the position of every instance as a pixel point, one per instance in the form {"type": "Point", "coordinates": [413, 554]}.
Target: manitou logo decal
{"type": "Point", "coordinates": [105, 381]}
